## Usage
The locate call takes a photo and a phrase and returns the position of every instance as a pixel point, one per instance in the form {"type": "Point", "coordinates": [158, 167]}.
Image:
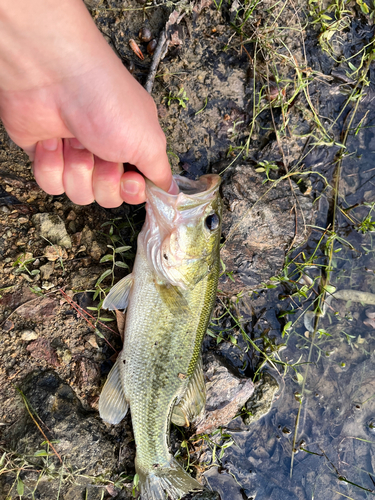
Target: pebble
{"type": "Point", "coordinates": [71, 216]}
{"type": "Point", "coordinates": [23, 220]}
{"type": "Point", "coordinates": [47, 270]}
{"type": "Point", "coordinates": [92, 341]}
{"type": "Point", "coordinates": [29, 335]}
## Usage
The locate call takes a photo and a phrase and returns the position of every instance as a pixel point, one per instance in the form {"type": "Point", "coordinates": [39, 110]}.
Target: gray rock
{"type": "Point", "coordinates": [52, 227]}
{"type": "Point", "coordinates": [80, 435]}
{"type": "Point", "coordinates": [226, 395]}
{"type": "Point", "coordinates": [261, 401]}
{"type": "Point", "coordinates": [260, 223]}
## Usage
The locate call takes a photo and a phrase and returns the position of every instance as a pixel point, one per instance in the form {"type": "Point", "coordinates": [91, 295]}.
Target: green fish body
{"type": "Point", "coordinates": [169, 299]}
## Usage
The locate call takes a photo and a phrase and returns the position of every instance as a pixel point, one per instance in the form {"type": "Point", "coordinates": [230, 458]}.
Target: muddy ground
{"type": "Point", "coordinates": [248, 91]}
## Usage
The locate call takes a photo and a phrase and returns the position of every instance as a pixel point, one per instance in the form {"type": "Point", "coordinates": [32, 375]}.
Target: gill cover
{"type": "Point", "coordinates": [181, 234]}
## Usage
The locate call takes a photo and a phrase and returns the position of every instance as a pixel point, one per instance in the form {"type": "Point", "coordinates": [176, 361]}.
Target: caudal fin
{"type": "Point", "coordinates": [167, 483]}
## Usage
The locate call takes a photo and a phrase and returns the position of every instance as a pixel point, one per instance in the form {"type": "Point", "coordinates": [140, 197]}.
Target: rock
{"type": "Point", "coordinates": [80, 437]}
{"type": "Point", "coordinates": [87, 237]}
{"type": "Point", "coordinates": [52, 227]}
{"type": "Point", "coordinates": [47, 270]}
{"type": "Point", "coordinates": [261, 401]}
{"type": "Point", "coordinates": [39, 309]}
{"type": "Point", "coordinates": [12, 300]}
{"type": "Point", "coordinates": [71, 216]}
{"type": "Point", "coordinates": [259, 226]}
{"type": "Point", "coordinates": [76, 239]}
{"type": "Point", "coordinates": [42, 349]}
{"type": "Point", "coordinates": [28, 335]}
{"type": "Point", "coordinates": [226, 395]}
{"type": "Point", "coordinates": [8, 325]}
{"type": "Point", "coordinates": [96, 251]}
{"type": "Point", "coordinates": [87, 374]}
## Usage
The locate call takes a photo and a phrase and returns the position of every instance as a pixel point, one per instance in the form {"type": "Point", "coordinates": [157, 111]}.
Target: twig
{"type": "Point", "coordinates": [159, 54]}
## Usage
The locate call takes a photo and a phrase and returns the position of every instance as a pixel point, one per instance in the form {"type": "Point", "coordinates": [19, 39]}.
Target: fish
{"type": "Point", "coordinates": [168, 298]}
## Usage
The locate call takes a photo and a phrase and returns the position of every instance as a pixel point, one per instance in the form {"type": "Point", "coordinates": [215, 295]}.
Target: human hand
{"type": "Point", "coordinates": [69, 102]}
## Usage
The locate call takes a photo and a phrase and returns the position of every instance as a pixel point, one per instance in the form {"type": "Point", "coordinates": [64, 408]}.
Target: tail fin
{"type": "Point", "coordinates": [171, 483]}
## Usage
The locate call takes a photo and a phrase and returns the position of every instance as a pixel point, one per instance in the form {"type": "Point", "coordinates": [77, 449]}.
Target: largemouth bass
{"type": "Point", "coordinates": [169, 298]}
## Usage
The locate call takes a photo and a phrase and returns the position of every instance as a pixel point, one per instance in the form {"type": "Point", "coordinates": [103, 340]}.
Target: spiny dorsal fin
{"type": "Point", "coordinates": [193, 400]}
{"type": "Point", "coordinates": [112, 403]}
{"type": "Point", "coordinates": [118, 296]}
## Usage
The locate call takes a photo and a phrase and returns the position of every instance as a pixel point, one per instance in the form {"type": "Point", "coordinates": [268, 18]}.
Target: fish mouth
{"type": "Point", "coordinates": [192, 193]}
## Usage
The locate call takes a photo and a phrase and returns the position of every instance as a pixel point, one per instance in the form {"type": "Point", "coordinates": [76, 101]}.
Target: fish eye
{"type": "Point", "coordinates": [212, 222]}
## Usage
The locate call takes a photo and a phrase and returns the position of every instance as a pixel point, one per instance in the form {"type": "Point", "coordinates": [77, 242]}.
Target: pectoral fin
{"type": "Point", "coordinates": [118, 296]}
{"type": "Point", "coordinates": [112, 403]}
{"type": "Point", "coordinates": [193, 400]}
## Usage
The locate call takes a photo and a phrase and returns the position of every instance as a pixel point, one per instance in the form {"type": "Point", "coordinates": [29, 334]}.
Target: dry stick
{"type": "Point", "coordinates": [160, 51]}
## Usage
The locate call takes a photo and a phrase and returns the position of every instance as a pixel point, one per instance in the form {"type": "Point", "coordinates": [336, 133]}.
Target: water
{"type": "Point", "coordinates": [334, 452]}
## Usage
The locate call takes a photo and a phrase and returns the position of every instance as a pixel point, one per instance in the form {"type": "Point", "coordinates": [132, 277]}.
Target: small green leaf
{"type": "Point", "coordinates": [299, 378]}
{"type": "Point", "coordinates": [103, 276]}
{"type": "Point", "coordinates": [41, 453]}
{"type": "Point", "coordinates": [330, 289]}
{"type": "Point", "coordinates": [35, 272]}
{"type": "Point", "coordinates": [92, 308]}
{"type": "Point", "coordinates": [286, 328]}
{"type": "Point", "coordinates": [107, 319]}
{"type": "Point", "coordinates": [99, 334]}
{"type": "Point", "coordinates": [122, 249]}
{"type": "Point", "coordinates": [119, 263]}
{"type": "Point", "coordinates": [20, 487]}
{"type": "Point", "coordinates": [106, 258]}
{"type": "Point", "coordinates": [233, 339]}
{"type": "Point", "coordinates": [260, 169]}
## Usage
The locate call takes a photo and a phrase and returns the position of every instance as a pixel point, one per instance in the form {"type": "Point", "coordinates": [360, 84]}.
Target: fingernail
{"type": "Point", "coordinates": [173, 189]}
{"type": "Point", "coordinates": [75, 144]}
{"type": "Point", "coordinates": [130, 187]}
{"type": "Point", "coordinates": [50, 144]}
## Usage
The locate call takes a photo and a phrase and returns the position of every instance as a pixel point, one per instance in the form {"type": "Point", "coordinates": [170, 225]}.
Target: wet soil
{"type": "Point", "coordinates": [218, 76]}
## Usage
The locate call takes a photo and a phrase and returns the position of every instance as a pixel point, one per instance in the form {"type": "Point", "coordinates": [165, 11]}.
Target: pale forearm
{"type": "Point", "coordinates": [39, 38]}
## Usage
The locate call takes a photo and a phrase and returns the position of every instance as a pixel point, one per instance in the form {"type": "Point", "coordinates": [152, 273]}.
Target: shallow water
{"type": "Point", "coordinates": [335, 440]}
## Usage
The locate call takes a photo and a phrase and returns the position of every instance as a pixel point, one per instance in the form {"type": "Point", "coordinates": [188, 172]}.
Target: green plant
{"type": "Point", "coordinates": [266, 167]}
{"type": "Point", "coordinates": [116, 257]}
{"type": "Point", "coordinates": [180, 97]}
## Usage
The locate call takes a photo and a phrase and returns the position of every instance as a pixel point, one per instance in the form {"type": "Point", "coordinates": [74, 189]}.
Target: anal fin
{"type": "Point", "coordinates": [112, 403]}
{"type": "Point", "coordinates": [194, 399]}
{"type": "Point", "coordinates": [118, 296]}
